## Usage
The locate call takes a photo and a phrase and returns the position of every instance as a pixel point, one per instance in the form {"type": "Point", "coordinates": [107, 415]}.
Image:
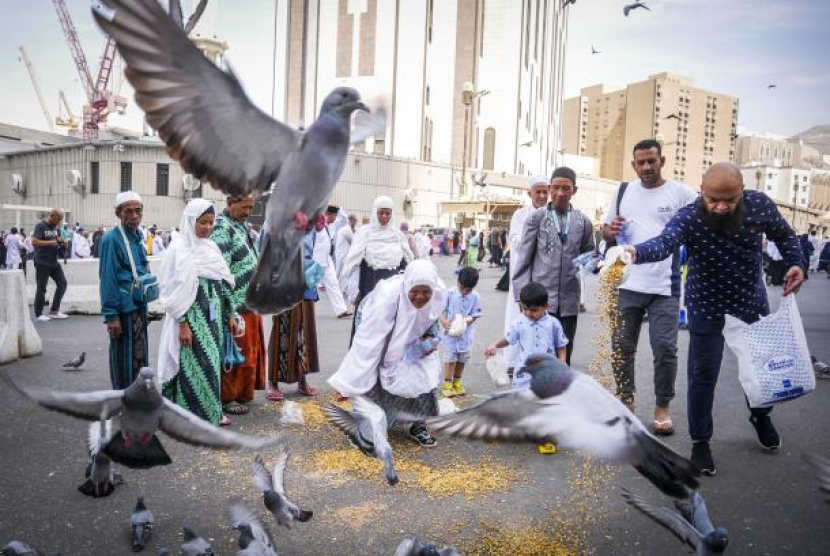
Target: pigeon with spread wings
{"type": "Point", "coordinates": [219, 136]}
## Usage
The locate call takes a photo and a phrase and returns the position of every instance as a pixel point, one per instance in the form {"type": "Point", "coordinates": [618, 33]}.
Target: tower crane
{"type": "Point", "coordinates": [69, 118]}
{"type": "Point", "coordinates": [25, 59]}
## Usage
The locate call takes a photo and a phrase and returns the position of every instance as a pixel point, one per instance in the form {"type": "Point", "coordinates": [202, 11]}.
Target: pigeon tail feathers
{"type": "Point", "coordinates": [137, 456]}
{"type": "Point", "coordinates": [277, 284]}
{"type": "Point", "coordinates": [670, 472]}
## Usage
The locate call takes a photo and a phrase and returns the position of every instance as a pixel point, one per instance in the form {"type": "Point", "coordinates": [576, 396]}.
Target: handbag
{"type": "Point", "coordinates": [233, 355]}
{"type": "Point", "coordinates": [145, 288]}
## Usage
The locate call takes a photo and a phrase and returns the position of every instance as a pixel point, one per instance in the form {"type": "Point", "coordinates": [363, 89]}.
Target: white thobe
{"type": "Point", "coordinates": [322, 256]}
{"type": "Point", "coordinates": [13, 247]}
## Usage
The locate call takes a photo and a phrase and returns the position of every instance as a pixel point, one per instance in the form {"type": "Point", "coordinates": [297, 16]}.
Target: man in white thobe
{"type": "Point", "coordinates": [324, 256]}
{"type": "Point", "coordinates": [14, 247]}
{"type": "Point", "coordinates": [81, 249]}
{"type": "Point", "coordinates": [538, 194]}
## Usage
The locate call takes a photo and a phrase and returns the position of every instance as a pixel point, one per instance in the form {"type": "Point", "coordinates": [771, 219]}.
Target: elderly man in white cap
{"type": "Point", "coordinates": [122, 307]}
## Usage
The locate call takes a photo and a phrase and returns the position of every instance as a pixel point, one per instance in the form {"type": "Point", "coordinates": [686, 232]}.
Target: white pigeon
{"type": "Point", "coordinates": [570, 408]}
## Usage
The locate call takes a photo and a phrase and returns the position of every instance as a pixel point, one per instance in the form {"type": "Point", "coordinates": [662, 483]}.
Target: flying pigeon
{"type": "Point", "coordinates": [100, 478]}
{"type": "Point", "coordinates": [569, 407]}
{"type": "Point", "coordinates": [272, 487]}
{"type": "Point", "coordinates": [566, 2]}
{"type": "Point", "coordinates": [219, 136]}
{"type": "Point", "coordinates": [194, 545]}
{"type": "Point", "coordinates": [411, 546]}
{"type": "Point", "coordinates": [634, 6]}
{"type": "Point", "coordinates": [141, 525]}
{"type": "Point", "coordinates": [594, 50]}
{"type": "Point", "coordinates": [366, 426]}
{"type": "Point", "coordinates": [138, 413]}
{"type": "Point", "coordinates": [254, 537]}
{"type": "Point", "coordinates": [771, 86]}
{"type": "Point", "coordinates": [691, 525]}
{"type": "Point", "coordinates": [822, 466]}
{"type": "Point", "coordinates": [673, 117]}
{"type": "Point", "coordinates": [76, 363]}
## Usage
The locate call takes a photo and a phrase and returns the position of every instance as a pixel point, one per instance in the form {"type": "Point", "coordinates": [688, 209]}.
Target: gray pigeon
{"type": "Point", "coordinates": [634, 6]}
{"type": "Point", "coordinates": [18, 548]}
{"type": "Point", "coordinates": [272, 487]}
{"type": "Point", "coordinates": [254, 537]}
{"type": "Point", "coordinates": [568, 407]}
{"type": "Point", "coordinates": [100, 477]}
{"type": "Point", "coordinates": [691, 525]}
{"type": "Point", "coordinates": [411, 546]}
{"type": "Point", "coordinates": [175, 10]}
{"type": "Point", "coordinates": [141, 525]}
{"type": "Point", "coordinates": [76, 363]}
{"type": "Point", "coordinates": [822, 466]}
{"type": "Point", "coordinates": [194, 545]}
{"type": "Point", "coordinates": [219, 136]}
{"type": "Point", "coordinates": [367, 428]}
{"type": "Point", "coordinates": [138, 413]}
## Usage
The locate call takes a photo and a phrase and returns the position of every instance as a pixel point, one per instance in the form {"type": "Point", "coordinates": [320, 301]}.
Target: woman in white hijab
{"type": "Point", "coordinates": [397, 365]}
{"type": "Point", "coordinates": [378, 251]}
{"type": "Point", "coordinates": [195, 284]}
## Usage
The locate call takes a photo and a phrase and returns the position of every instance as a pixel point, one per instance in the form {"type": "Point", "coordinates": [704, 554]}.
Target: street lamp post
{"type": "Point", "coordinates": [468, 96]}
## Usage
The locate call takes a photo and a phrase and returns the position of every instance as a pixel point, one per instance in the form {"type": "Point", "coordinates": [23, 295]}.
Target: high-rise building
{"type": "Point", "coordinates": [696, 127]}
{"type": "Point", "coordinates": [416, 58]}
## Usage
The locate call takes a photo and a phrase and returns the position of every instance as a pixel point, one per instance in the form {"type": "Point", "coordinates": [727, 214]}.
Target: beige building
{"type": "Point", "coordinates": [697, 127]}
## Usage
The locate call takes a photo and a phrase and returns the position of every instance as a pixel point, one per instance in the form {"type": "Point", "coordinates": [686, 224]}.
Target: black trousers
{"type": "Point", "coordinates": [569, 327]}
{"type": "Point", "coordinates": [42, 275]}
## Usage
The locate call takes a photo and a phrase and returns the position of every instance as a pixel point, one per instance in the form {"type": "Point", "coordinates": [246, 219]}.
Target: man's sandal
{"type": "Point", "coordinates": [235, 408]}
{"type": "Point", "coordinates": [663, 427]}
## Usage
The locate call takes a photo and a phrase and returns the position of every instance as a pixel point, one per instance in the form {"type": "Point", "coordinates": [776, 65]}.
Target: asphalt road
{"type": "Point", "coordinates": [528, 504]}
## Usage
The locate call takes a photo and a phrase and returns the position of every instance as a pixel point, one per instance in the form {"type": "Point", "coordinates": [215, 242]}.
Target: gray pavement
{"type": "Point", "coordinates": [769, 502]}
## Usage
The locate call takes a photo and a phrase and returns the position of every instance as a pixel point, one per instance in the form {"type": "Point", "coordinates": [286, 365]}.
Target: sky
{"type": "Point", "coordinates": [736, 47]}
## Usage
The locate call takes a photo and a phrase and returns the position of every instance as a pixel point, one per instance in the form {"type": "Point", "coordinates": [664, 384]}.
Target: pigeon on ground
{"type": "Point", "coordinates": [411, 546]}
{"type": "Point", "coordinates": [141, 525]}
{"type": "Point", "coordinates": [18, 548]}
{"type": "Point", "coordinates": [272, 487]}
{"type": "Point", "coordinates": [570, 408]}
{"type": "Point", "coordinates": [691, 525]}
{"type": "Point", "coordinates": [594, 50]}
{"type": "Point", "coordinates": [822, 466]}
{"type": "Point", "coordinates": [254, 537]}
{"type": "Point", "coordinates": [219, 136]}
{"type": "Point", "coordinates": [76, 363]}
{"type": "Point", "coordinates": [194, 545]}
{"type": "Point", "coordinates": [634, 6]}
{"type": "Point", "coordinates": [138, 413]}
{"type": "Point", "coordinates": [366, 426]}
{"type": "Point", "coordinates": [100, 477]}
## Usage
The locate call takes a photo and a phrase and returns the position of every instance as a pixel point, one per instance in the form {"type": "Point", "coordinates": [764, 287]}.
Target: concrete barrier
{"type": "Point", "coordinates": [18, 337]}
{"type": "Point", "coordinates": [82, 293]}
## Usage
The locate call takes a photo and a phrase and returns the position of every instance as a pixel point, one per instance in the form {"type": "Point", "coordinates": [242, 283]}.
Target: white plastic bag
{"type": "Point", "coordinates": [616, 254]}
{"type": "Point", "coordinates": [292, 414]}
{"type": "Point", "coordinates": [446, 406]}
{"type": "Point", "coordinates": [774, 363]}
{"type": "Point", "coordinates": [458, 326]}
{"type": "Point", "coordinates": [497, 369]}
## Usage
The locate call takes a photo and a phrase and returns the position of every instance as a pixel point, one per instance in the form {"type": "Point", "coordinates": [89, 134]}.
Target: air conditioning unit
{"type": "Point", "coordinates": [17, 184]}
{"type": "Point", "coordinates": [190, 183]}
{"type": "Point", "coordinates": [74, 180]}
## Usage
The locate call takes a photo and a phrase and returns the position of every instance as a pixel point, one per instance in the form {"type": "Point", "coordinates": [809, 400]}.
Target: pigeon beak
{"type": "Point", "coordinates": [360, 106]}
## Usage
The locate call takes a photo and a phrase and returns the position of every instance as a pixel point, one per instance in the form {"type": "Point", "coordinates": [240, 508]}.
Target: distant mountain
{"type": "Point", "coordinates": [817, 137]}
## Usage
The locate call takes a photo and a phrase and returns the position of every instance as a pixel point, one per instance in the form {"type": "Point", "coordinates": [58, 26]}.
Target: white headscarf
{"type": "Point", "coordinates": [383, 247]}
{"type": "Point", "coordinates": [187, 259]}
{"type": "Point", "coordinates": [389, 302]}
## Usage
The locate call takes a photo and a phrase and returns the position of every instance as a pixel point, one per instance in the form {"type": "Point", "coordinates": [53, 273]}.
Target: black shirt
{"type": "Point", "coordinates": [46, 256]}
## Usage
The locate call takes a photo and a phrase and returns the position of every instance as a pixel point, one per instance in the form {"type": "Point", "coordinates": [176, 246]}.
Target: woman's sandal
{"type": "Point", "coordinates": [307, 390]}
{"type": "Point", "coordinates": [235, 408]}
{"type": "Point", "coordinates": [274, 395]}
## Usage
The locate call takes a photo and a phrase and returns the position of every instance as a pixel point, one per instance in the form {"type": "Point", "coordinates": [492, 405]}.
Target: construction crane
{"type": "Point", "coordinates": [69, 120]}
{"type": "Point", "coordinates": [25, 59]}
{"type": "Point", "coordinates": [98, 97]}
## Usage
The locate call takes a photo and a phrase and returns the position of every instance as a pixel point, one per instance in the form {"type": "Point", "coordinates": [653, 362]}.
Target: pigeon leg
{"type": "Point", "coordinates": [145, 438]}
{"type": "Point", "coordinates": [300, 220]}
{"type": "Point", "coordinates": [128, 441]}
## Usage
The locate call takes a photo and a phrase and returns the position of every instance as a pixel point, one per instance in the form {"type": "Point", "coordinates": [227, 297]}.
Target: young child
{"type": "Point", "coordinates": [535, 332]}
{"type": "Point", "coordinates": [456, 349]}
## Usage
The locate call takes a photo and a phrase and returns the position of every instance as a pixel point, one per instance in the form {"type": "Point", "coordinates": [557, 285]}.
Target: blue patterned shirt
{"type": "Point", "coordinates": [536, 337]}
{"type": "Point", "coordinates": [725, 268]}
{"type": "Point", "coordinates": [466, 306]}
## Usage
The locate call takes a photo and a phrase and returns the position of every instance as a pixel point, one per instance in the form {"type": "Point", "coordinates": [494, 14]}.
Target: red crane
{"type": "Point", "coordinates": [97, 95]}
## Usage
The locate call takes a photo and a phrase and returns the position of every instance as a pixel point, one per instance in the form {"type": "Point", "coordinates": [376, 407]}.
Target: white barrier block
{"type": "Point", "coordinates": [18, 337]}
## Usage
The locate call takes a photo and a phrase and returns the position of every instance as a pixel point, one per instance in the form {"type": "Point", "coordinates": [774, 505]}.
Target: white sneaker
{"type": "Point", "coordinates": [43, 318]}
{"type": "Point", "coordinates": [58, 315]}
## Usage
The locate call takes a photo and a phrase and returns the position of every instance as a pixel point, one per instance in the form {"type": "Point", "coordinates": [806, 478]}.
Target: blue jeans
{"type": "Point", "coordinates": [705, 355]}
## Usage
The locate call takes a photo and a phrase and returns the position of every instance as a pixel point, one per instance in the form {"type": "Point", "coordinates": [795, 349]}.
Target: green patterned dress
{"type": "Point", "coordinates": [196, 386]}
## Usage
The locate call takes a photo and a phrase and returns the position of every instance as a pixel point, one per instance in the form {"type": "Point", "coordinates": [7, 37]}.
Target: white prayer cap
{"type": "Point", "coordinates": [125, 197]}
{"type": "Point", "coordinates": [537, 180]}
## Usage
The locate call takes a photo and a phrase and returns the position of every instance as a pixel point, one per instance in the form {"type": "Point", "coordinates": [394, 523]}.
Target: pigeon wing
{"type": "Point", "coordinates": [822, 466]}
{"type": "Point", "coordinates": [82, 405]}
{"type": "Point", "coordinates": [185, 427]}
{"type": "Point", "coordinates": [195, 17]}
{"type": "Point", "coordinates": [262, 479]}
{"type": "Point", "coordinates": [176, 12]}
{"type": "Point", "coordinates": [498, 418]}
{"type": "Point", "coordinates": [667, 518]}
{"type": "Point", "coordinates": [279, 471]}
{"type": "Point", "coordinates": [238, 512]}
{"type": "Point", "coordinates": [344, 420]}
{"type": "Point", "coordinates": [409, 546]}
{"type": "Point", "coordinates": [98, 438]}
{"type": "Point", "coordinates": [367, 124]}
{"type": "Point", "coordinates": [200, 112]}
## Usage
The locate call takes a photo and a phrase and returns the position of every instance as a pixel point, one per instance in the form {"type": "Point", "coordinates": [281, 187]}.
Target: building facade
{"type": "Point", "coordinates": [696, 127]}
{"type": "Point", "coordinates": [413, 59]}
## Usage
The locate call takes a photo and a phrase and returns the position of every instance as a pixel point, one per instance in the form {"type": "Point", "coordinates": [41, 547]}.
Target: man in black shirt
{"type": "Point", "coordinates": [46, 241]}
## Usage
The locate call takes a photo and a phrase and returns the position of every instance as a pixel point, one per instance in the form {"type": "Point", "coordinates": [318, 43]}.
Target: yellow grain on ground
{"type": "Point", "coordinates": [528, 540]}
{"type": "Point", "coordinates": [359, 516]}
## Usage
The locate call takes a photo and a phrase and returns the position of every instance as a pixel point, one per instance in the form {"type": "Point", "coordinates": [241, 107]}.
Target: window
{"type": "Point", "coordinates": [489, 148]}
{"type": "Point", "coordinates": [126, 176]}
{"type": "Point", "coordinates": [162, 179]}
{"type": "Point", "coordinates": [95, 177]}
